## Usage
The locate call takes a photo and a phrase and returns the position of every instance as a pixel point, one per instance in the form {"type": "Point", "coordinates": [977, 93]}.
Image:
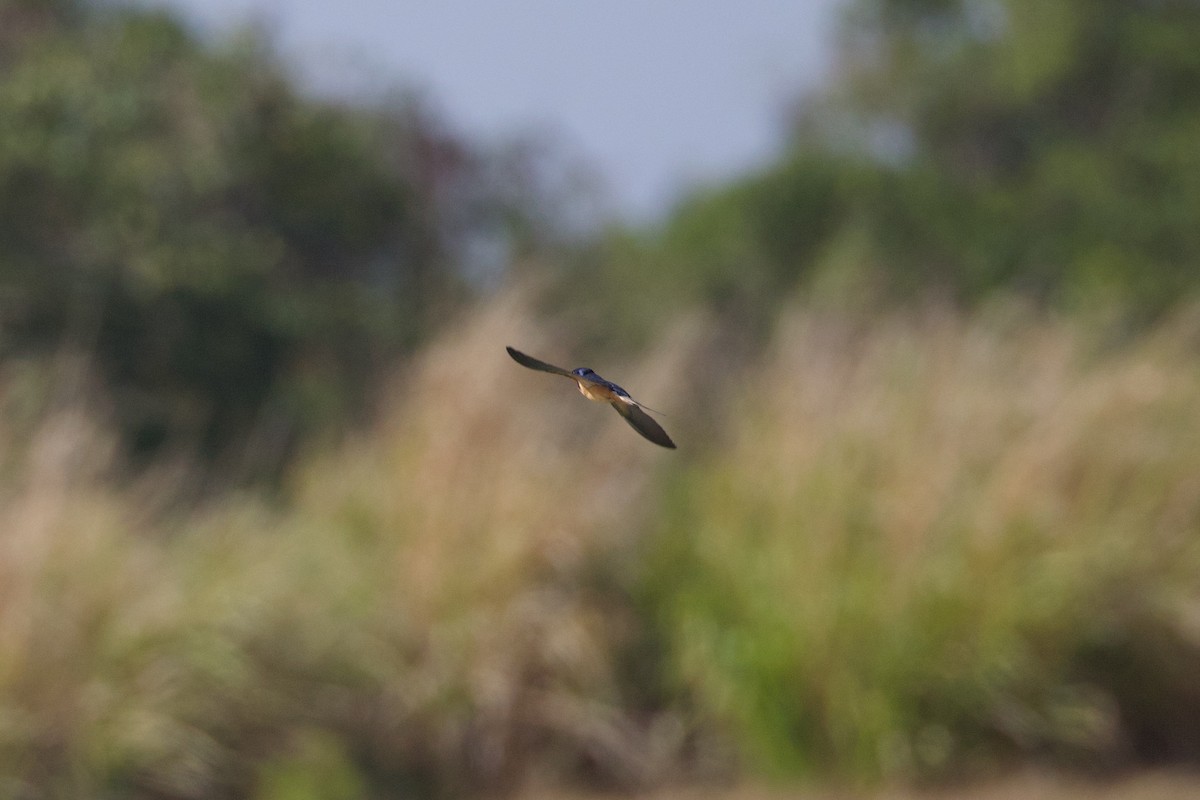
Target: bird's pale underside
{"type": "Point", "coordinates": [593, 387]}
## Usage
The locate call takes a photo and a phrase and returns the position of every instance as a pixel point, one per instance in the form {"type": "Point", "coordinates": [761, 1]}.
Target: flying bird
{"type": "Point", "coordinates": [593, 387]}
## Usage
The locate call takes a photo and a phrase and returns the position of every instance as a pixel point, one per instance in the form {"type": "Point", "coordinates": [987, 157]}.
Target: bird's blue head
{"type": "Point", "coordinates": [583, 372]}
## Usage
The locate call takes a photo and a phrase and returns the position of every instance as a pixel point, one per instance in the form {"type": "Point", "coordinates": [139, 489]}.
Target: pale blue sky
{"type": "Point", "coordinates": [655, 95]}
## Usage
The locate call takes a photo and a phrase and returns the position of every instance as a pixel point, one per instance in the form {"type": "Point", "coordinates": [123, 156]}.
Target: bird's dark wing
{"type": "Point", "coordinates": [533, 363]}
{"type": "Point", "coordinates": [643, 423]}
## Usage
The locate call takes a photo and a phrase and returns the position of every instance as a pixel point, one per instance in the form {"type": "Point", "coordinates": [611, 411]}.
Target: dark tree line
{"type": "Point", "coordinates": [965, 148]}
{"type": "Point", "coordinates": [224, 248]}
{"type": "Point", "coordinates": [228, 250]}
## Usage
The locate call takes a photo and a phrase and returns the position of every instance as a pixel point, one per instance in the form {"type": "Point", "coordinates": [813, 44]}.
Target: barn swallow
{"type": "Point", "coordinates": [593, 387]}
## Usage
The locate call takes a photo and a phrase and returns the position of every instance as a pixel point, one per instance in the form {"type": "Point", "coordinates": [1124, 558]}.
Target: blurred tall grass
{"type": "Point", "coordinates": [907, 545]}
{"type": "Point", "coordinates": [938, 544]}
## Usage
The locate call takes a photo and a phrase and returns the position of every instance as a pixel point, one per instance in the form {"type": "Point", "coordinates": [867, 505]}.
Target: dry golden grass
{"type": "Point", "coordinates": [906, 552]}
{"type": "Point", "coordinates": [426, 597]}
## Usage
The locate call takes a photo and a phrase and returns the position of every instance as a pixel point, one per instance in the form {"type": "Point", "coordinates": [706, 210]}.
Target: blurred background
{"type": "Point", "coordinates": [914, 282]}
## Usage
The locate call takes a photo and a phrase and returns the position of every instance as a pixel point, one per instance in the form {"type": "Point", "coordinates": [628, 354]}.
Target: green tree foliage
{"type": "Point", "coordinates": [1049, 147]}
{"type": "Point", "coordinates": [964, 147]}
{"type": "Point", "coordinates": [220, 243]}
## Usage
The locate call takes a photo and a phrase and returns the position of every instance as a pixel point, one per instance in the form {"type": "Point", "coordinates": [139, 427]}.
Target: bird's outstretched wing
{"type": "Point", "coordinates": [643, 423]}
{"type": "Point", "coordinates": [533, 363]}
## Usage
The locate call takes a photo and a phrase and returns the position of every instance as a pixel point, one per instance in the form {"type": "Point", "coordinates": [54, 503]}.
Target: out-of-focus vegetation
{"type": "Point", "coordinates": [968, 147]}
{"type": "Point", "coordinates": [426, 614]}
{"type": "Point", "coordinates": [931, 547]}
{"type": "Point", "coordinates": [934, 512]}
{"type": "Point", "coordinates": [933, 544]}
{"type": "Point", "coordinates": [239, 261]}
{"type": "Point", "coordinates": [233, 257]}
